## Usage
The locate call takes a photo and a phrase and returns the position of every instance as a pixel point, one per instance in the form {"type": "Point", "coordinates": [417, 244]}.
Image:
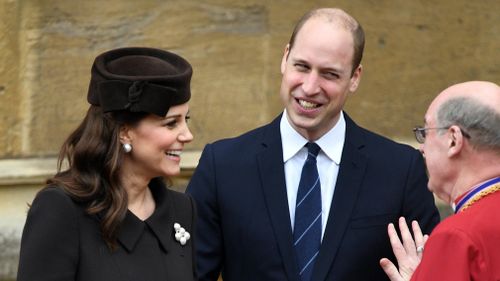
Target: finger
{"type": "Point", "coordinates": [417, 233]}
{"type": "Point", "coordinates": [397, 247]}
{"type": "Point", "coordinates": [408, 242]}
{"type": "Point", "coordinates": [419, 237]}
{"type": "Point", "coordinates": [390, 269]}
{"type": "Point", "coordinates": [426, 237]}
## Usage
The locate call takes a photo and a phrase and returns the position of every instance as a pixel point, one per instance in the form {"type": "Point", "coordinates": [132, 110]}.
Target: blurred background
{"type": "Point", "coordinates": [414, 49]}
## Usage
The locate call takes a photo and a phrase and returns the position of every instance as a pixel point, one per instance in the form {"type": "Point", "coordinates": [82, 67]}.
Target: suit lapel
{"type": "Point", "coordinates": [272, 175]}
{"type": "Point", "coordinates": [351, 172]}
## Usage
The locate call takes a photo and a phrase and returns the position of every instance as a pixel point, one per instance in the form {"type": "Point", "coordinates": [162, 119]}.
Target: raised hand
{"type": "Point", "coordinates": [408, 252]}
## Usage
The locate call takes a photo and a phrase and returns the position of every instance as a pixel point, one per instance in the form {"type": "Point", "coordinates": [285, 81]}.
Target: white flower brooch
{"type": "Point", "coordinates": [181, 234]}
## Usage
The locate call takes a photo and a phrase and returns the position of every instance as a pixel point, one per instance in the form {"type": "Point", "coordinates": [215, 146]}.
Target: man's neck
{"type": "Point", "coordinates": [475, 173]}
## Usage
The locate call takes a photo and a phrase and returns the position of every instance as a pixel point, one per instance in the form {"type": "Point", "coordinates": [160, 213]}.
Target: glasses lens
{"type": "Point", "coordinates": [419, 134]}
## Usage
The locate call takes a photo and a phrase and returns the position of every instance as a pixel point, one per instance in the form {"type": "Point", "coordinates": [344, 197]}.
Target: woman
{"type": "Point", "coordinates": [109, 216]}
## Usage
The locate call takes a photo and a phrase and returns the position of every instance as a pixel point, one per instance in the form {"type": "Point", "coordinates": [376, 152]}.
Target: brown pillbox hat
{"type": "Point", "coordinates": [139, 80]}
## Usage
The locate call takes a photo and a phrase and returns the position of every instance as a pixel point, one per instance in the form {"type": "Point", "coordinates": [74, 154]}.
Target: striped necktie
{"type": "Point", "coordinates": [307, 226]}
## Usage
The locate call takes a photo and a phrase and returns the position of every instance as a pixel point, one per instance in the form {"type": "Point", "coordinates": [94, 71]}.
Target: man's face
{"type": "Point", "coordinates": [317, 77]}
{"type": "Point", "coordinates": [435, 150]}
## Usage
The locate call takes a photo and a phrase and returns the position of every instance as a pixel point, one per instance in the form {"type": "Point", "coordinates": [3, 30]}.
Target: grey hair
{"type": "Point", "coordinates": [480, 121]}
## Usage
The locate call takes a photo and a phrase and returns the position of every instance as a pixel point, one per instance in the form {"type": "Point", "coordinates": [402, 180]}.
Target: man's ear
{"type": "Point", "coordinates": [455, 141]}
{"type": "Point", "coordinates": [285, 58]}
{"type": "Point", "coordinates": [355, 79]}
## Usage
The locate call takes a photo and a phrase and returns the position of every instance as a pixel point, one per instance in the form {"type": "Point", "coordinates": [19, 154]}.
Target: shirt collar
{"type": "Point", "coordinates": [331, 143]}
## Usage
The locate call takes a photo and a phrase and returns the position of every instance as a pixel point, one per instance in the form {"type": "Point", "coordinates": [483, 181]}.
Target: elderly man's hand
{"type": "Point", "coordinates": [408, 253]}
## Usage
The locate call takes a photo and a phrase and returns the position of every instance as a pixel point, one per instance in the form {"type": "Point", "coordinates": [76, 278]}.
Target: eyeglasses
{"type": "Point", "coordinates": [420, 132]}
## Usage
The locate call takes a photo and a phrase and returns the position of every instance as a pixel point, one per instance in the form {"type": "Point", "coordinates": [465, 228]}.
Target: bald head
{"type": "Point", "coordinates": [474, 107]}
{"type": "Point", "coordinates": [339, 19]}
{"type": "Point", "coordinates": [484, 92]}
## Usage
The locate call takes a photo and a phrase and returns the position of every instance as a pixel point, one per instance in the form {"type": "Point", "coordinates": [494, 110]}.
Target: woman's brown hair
{"type": "Point", "coordinates": [89, 166]}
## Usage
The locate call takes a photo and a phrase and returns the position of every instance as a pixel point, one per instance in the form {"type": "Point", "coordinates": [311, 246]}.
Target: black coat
{"type": "Point", "coordinates": [62, 242]}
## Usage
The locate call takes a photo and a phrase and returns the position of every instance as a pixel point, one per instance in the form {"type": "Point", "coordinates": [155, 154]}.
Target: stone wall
{"type": "Point", "coordinates": [414, 49]}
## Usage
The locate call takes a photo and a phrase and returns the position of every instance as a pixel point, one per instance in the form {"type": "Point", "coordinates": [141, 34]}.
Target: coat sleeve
{"type": "Point", "coordinates": [419, 202]}
{"type": "Point", "coordinates": [49, 244]}
{"type": "Point", "coordinates": [208, 237]}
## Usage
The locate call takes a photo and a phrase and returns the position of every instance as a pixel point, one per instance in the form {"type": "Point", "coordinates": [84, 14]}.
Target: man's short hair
{"type": "Point", "coordinates": [340, 18]}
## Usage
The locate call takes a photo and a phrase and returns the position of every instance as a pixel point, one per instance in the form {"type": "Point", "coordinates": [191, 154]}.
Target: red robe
{"type": "Point", "coordinates": [465, 246]}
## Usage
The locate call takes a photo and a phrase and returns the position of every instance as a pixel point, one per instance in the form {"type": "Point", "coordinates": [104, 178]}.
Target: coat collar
{"type": "Point", "coordinates": [351, 173]}
{"type": "Point", "coordinates": [160, 222]}
{"type": "Point", "coordinates": [272, 175]}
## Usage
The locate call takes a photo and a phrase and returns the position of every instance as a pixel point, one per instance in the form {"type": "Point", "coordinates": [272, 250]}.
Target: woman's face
{"type": "Point", "coordinates": [157, 143]}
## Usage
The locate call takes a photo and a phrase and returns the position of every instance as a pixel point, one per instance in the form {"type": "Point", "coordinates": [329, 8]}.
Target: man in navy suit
{"type": "Point", "coordinates": [246, 187]}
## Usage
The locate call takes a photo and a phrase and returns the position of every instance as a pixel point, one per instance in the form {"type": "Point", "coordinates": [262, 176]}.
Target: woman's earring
{"type": "Point", "coordinates": [127, 147]}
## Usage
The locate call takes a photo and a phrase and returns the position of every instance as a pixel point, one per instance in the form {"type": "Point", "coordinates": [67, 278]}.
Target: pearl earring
{"type": "Point", "coordinates": [127, 147]}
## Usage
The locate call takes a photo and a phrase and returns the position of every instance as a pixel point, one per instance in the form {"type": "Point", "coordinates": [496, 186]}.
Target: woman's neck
{"type": "Point", "coordinates": [141, 203]}
{"type": "Point", "coordinates": [140, 199]}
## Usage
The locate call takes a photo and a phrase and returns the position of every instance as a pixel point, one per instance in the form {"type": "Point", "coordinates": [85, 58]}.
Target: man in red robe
{"type": "Point", "coordinates": [461, 144]}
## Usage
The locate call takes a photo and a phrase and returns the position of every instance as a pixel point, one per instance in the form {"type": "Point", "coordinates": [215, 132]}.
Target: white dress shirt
{"type": "Point", "coordinates": [328, 161]}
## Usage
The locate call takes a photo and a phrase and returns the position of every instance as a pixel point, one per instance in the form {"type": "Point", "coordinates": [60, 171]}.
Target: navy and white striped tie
{"type": "Point", "coordinates": [307, 226]}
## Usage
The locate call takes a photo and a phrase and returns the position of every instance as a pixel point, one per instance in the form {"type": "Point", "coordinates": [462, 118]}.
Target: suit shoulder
{"type": "Point", "coordinates": [249, 135]}
{"type": "Point", "coordinates": [384, 143]}
{"type": "Point", "coordinates": [243, 142]}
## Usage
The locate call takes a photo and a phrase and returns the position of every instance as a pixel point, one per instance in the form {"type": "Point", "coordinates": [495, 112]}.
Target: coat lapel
{"type": "Point", "coordinates": [272, 175]}
{"type": "Point", "coordinates": [352, 168]}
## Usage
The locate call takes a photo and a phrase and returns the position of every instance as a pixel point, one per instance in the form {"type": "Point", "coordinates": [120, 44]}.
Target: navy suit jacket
{"type": "Point", "coordinates": [244, 228]}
